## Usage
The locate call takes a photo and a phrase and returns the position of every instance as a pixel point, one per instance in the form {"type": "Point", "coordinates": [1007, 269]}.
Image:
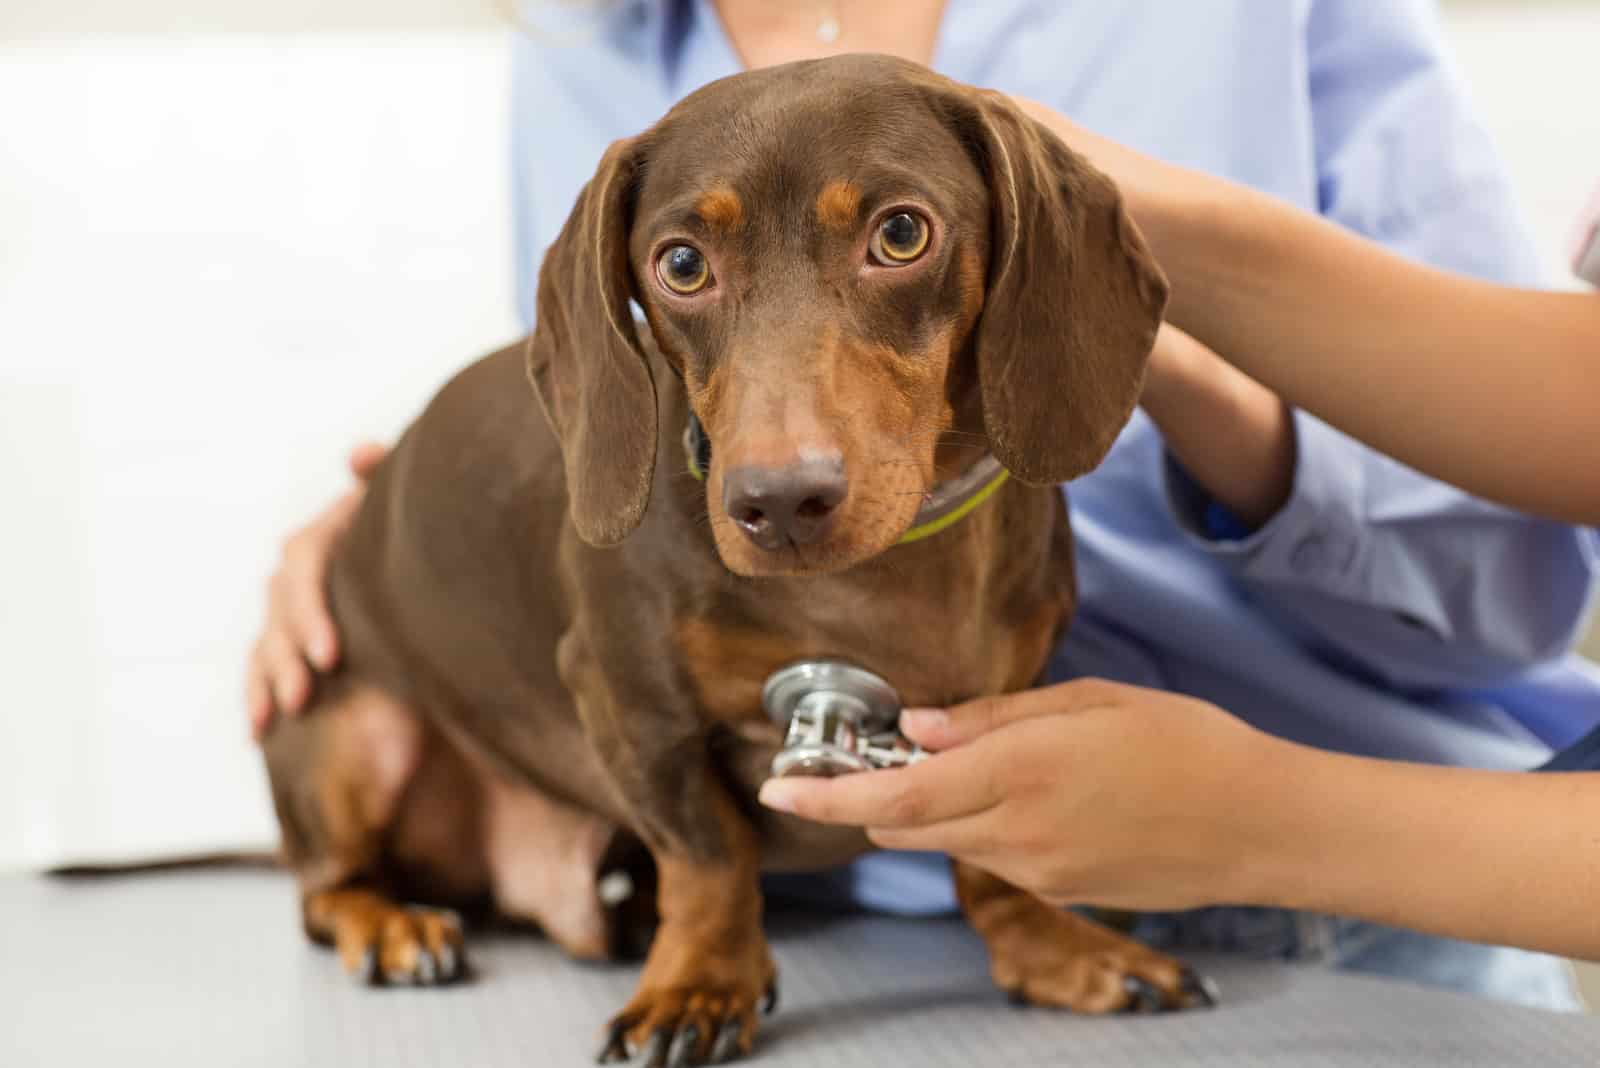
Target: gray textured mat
{"type": "Point", "coordinates": [209, 968]}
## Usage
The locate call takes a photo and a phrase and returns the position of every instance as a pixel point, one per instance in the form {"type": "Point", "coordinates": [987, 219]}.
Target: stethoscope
{"type": "Point", "coordinates": [838, 719]}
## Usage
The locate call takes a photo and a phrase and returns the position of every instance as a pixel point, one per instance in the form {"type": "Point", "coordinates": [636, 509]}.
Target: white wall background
{"type": "Point", "coordinates": [222, 260]}
{"type": "Point", "coordinates": [1534, 71]}
{"type": "Point", "coordinates": [226, 253]}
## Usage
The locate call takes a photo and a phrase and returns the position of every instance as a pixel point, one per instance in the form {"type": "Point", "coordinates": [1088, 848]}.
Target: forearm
{"type": "Point", "coordinates": [1489, 388]}
{"type": "Point", "coordinates": [1498, 857]}
{"type": "Point", "coordinates": [1232, 435]}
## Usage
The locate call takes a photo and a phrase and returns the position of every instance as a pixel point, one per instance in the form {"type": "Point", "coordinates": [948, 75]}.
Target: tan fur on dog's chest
{"type": "Point", "coordinates": [986, 627]}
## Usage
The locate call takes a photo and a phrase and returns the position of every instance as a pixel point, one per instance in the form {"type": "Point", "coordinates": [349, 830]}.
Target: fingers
{"type": "Point", "coordinates": [258, 696]}
{"type": "Point", "coordinates": [278, 677]}
{"type": "Point", "coordinates": [971, 838]}
{"type": "Point", "coordinates": [276, 680]}
{"type": "Point", "coordinates": [950, 786]}
{"type": "Point", "coordinates": [365, 458]}
{"type": "Point", "coordinates": [300, 634]}
{"type": "Point", "coordinates": [283, 673]}
{"type": "Point", "coordinates": [939, 729]}
{"type": "Point", "coordinates": [299, 614]}
{"type": "Point", "coordinates": [959, 725]}
{"type": "Point", "coordinates": [943, 788]}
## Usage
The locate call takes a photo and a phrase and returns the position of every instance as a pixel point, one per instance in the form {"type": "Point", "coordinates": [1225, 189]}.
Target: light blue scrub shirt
{"type": "Point", "coordinates": [1380, 612]}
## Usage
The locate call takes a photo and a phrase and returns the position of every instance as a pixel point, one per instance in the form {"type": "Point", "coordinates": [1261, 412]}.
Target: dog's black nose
{"type": "Point", "coordinates": [781, 506]}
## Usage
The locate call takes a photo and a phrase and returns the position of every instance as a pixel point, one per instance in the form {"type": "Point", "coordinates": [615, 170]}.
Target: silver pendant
{"type": "Point", "coordinates": [839, 719]}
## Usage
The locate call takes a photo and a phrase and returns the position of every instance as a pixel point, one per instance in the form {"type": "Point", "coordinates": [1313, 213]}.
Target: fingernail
{"type": "Point", "coordinates": [777, 795]}
{"type": "Point", "coordinates": [322, 652]}
{"type": "Point", "coordinates": [924, 719]}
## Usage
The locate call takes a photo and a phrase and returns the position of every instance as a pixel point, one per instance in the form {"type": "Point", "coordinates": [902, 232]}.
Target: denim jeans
{"type": "Point", "coordinates": [1514, 975]}
{"type": "Point", "coordinates": [919, 884]}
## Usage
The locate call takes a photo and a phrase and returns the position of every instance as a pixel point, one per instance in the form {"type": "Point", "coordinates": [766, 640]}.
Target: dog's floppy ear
{"type": "Point", "coordinates": [585, 360]}
{"type": "Point", "coordinates": [1074, 298]}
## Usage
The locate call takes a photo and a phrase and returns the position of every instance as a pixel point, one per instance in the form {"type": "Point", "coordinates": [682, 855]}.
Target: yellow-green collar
{"type": "Point", "coordinates": [948, 504]}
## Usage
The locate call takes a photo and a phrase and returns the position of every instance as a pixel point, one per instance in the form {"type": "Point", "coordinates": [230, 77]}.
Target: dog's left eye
{"type": "Point", "coordinates": [683, 269]}
{"type": "Point", "coordinates": [900, 238]}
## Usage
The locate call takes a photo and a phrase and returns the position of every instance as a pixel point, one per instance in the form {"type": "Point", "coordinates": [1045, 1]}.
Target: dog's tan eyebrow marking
{"type": "Point", "coordinates": [838, 205]}
{"type": "Point", "coordinates": [720, 207]}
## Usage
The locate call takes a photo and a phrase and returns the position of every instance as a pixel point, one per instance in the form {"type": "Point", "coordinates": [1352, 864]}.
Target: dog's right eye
{"type": "Point", "coordinates": [683, 270]}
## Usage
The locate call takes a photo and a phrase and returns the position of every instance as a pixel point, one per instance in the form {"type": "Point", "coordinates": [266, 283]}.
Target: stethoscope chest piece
{"type": "Point", "coordinates": [839, 719]}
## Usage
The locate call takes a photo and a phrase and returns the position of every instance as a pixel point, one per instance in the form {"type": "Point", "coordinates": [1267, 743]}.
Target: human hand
{"type": "Point", "coordinates": [1151, 188]}
{"type": "Point", "coordinates": [1088, 792]}
{"type": "Point", "coordinates": [299, 634]}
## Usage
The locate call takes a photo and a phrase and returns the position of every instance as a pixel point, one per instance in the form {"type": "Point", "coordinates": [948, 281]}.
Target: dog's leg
{"type": "Point", "coordinates": [340, 777]}
{"type": "Point", "coordinates": [1046, 956]}
{"type": "Point", "coordinates": [544, 858]}
{"type": "Point", "coordinates": [709, 967]}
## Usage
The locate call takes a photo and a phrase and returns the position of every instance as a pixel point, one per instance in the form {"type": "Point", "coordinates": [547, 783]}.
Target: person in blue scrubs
{"type": "Point", "coordinates": [1313, 587]}
{"type": "Point", "coordinates": [1093, 791]}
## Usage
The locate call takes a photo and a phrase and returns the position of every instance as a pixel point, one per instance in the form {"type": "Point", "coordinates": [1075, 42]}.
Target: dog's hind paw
{"type": "Point", "coordinates": [398, 945]}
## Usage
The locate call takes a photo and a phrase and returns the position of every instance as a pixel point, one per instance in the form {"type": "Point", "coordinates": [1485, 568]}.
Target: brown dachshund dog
{"type": "Point", "coordinates": [861, 279]}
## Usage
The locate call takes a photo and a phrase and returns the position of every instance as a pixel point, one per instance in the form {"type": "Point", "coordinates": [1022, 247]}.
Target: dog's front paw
{"type": "Point", "coordinates": [1041, 955]}
{"type": "Point", "coordinates": [1064, 961]}
{"type": "Point", "coordinates": [703, 1012]}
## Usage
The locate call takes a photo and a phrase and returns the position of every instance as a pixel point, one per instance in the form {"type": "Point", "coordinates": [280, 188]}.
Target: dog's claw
{"type": "Point", "coordinates": [427, 971]}
{"type": "Point", "coordinates": [1198, 990]}
{"type": "Point", "coordinates": [726, 1048]}
{"type": "Point", "coordinates": [367, 970]}
{"type": "Point", "coordinates": [655, 1050]}
{"type": "Point", "coordinates": [769, 1000]}
{"type": "Point", "coordinates": [1018, 997]}
{"type": "Point", "coordinates": [684, 1048]}
{"type": "Point", "coordinates": [616, 1046]}
{"type": "Point", "coordinates": [397, 945]}
{"type": "Point", "coordinates": [1143, 997]}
